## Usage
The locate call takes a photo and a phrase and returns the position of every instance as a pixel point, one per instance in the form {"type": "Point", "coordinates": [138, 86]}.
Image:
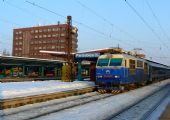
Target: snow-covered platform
{"type": "Point", "coordinates": [23, 89]}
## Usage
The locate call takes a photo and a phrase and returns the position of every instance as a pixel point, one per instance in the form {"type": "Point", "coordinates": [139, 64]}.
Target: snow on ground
{"type": "Point", "coordinates": [105, 108]}
{"type": "Point", "coordinates": [20, 89]}
{"type": "Point", "coordinates": [159, 110]}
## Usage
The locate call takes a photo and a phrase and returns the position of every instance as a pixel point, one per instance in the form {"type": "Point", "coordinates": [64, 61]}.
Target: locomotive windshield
{"type": "Point", "coordinates": [103, 62]}
{"type": "Point", "coordinates": [116, 62]}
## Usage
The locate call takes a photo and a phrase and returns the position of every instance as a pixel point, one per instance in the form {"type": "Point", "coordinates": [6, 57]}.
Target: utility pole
{"type": "Point", "coordinates": [68, 48]}
{"type": "Point", "coordinates": [69, 39]}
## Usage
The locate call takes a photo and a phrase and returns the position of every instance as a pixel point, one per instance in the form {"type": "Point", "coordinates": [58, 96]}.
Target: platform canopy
{"type": "Point", "coordinates": [13, 60]}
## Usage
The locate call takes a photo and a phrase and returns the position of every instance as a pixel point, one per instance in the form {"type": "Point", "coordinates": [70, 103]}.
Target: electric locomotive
{"type": "Point", "coordinates": [118, 71]}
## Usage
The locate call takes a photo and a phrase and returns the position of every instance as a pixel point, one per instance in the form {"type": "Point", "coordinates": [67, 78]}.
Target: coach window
{"type": "Point", "coordinates": [139, 64]}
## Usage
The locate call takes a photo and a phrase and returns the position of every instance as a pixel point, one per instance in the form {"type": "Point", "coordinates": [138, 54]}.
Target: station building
{"type": "Point", "coordinates": [27, 42]}
{"type": "Point", "coordinates": [24, 67]}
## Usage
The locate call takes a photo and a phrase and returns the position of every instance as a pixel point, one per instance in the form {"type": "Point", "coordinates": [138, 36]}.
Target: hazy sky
{"type": "Point", "coordinates": [101, 23]}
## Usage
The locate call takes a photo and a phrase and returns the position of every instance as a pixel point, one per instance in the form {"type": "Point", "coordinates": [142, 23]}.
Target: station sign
{"type": "Point", "coordinates": [87, 55]}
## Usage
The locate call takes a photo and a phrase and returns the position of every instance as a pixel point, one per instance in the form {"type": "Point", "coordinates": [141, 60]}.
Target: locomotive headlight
{"type": "Point", "coordinates": [100, 76]}
{"type": "Point", "coordinates": [116, 76]}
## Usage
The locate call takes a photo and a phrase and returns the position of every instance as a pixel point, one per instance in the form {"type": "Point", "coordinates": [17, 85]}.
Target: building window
{"type": "Point", "coordinates": [45, 30]}
{"type": "Point", "coordinates": [36, 31]}
{"type": "Point", "coordinates": [36, 36]}
{"type": "Point", "coordinates": [57, 35]}
{"type": "Point", "coordinates": [49, 29]}
{"type": "Point", "coordinates": [62, 46]}
{"type": "Point", "coordinates": [62, 34]}
{"type": "Point", "coordinates": [20, 43]}
{"type": "Point", "coordinates": [40, 36]}
{"type": "Point", "coordinates": [49, 35]}
{"type": "Point", "coordinates": [53, 35]}
{"type": "Point", "coordinates": [44, 36]}
{"type": "Point", "coordinates": [44, 47]}
{"type": "Point", "coordinates": [54, 41]}
{"type": "Point", "coordinates": [40, 31]}
{"type": "Point", "coordinates": [36, 42]}
{"type": "Point", "coordinates": [62, 41]}
{"type": "Point", "coordinates": [53, 47]}
{"type": "Point", "coordinates": [63, 29]}
{"type": "Point", "coordinates": [32, 31]}
{"type": "Point", "coordinates": [35, 48]}
{"type": "Point", "coordinates": [32, 42]}
{"type": "Point", "coordinates": [54, 29]}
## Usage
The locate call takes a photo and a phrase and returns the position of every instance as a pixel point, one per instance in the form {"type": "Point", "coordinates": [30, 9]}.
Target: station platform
{"type": "Point", "coordinates": [15, 94]}
{"type": "Point", "coordinates": [166, 114]}
{"type": "Point", "coordinates": [22, 79]}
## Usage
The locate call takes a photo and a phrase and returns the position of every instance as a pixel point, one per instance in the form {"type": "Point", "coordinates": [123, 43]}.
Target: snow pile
{"type": "Point", "coordinates": [105, 108]}
{"type": "Point", "coordinates": [20, 89]}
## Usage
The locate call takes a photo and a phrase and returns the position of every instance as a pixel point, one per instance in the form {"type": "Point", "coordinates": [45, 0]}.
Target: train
{"type": "Point", "coordinates": [120, 71]}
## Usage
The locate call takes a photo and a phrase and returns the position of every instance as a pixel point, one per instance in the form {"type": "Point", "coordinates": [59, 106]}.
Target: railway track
{"type": "Point", "coordinates": [47, 108]}
{"type": "Point", "coordinates": [144, 108]}
{"type": "Point", "coordinates": [20, 101]}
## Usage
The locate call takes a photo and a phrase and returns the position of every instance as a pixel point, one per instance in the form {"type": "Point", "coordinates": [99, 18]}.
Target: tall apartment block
{"type": "Point", "coordinates": [27, 42]}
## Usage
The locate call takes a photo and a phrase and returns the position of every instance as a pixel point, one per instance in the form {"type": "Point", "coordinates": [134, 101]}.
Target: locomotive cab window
{"type": "Point", "coordinates": [103, 62]}
{"type": "Point", "coordinates": [116, 62]}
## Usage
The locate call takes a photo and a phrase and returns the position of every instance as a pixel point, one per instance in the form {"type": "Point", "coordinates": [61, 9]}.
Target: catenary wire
{"type": "Point", "coordinates": [80, 23]}
{"type": "Point", "coordinates": [157, 20]}
{"type": "Point", "coordinates": [145, 22]}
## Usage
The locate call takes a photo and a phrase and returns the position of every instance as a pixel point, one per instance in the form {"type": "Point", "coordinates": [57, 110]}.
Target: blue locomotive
{"type": "Point", "coordinates": [119, 71]}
